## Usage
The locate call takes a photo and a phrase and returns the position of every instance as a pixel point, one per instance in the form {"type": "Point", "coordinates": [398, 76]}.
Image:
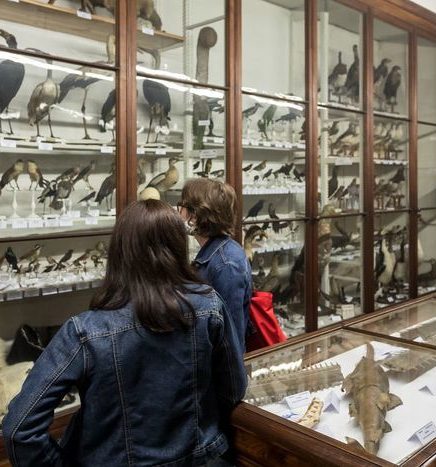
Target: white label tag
{"type": "Point", "coordinates": [218, 140]}
{"type": "Point", "coordinates": [36, 223]}
{"type": "Point", "coordinates": [140, 150]}
{"type": "Point", "coordinates": [49, 290]}
{"type": "Point", "coordinates": [94, 212]}
{"type": "Point", "coordinates": [91, 220]}
{"type": "Point", "coordinates": [3, 225]}
{"type": "Point", "coordinates": [65, 288]}
{"type": "Point", "coordinates": [45, 146]}
{"type": "Point", "coordinates": [332, 402]}
{"type": "Point", "coordinates": [148, 31]}
{"type": "Point", "coordinates": [430, 386]}
{"type": "Point", "coordinates": [245, 142]}
{"type": "Point", "coordinates": [300, 399]}
{"type": "Point", "coordinates": [208, 154]}
{"type": "Point", "coordinates": [267, 144]}
{"type": "Point", "coordinates": [31, 293]}
{"type": "Point", "coordinates": [347, 311]}
{"type": "Point", "coordinates": [254, 142]}
{"type": "Point", "coordinates": [106, 149]}
{"type": "Point", "coordinates": [425, 434]}
{"type": "Point", "coordinates": [75, 214]}
{"type": "Point", "coordinates": [203, 122]}
{"type": "Point", "coordinates": [19, 224]}
{"type": "Point", "coordinates": [65, 222]}
{"type": "Point", "coordinates": [343, 161]}
{"type": "Point", "coordinates": [52, 223]}
{"type": "Point", "coordinates": [83, 14]}
{"type": "Point", "coordinates": [336, 318]}
{"type": "Point", "coordinates": [8, 143]}
{"type": "Point", "coordinates": [14, 295]}
{"type": "Point", "coordinates": [15, 1]}
{"type": "Point", "coordinates": [161, 151]}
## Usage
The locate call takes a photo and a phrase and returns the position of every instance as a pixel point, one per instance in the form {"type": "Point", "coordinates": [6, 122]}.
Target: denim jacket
{"type": "Point", "coordinates": [147, 398]}
{"type": "Point", "coordinates": [222, 263]}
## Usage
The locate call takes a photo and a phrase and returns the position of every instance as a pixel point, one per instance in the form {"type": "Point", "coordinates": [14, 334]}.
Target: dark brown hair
{"type": "Point", "coordinates": [148, 265]}
{"type": "Point", "coordinates": [213, 204]}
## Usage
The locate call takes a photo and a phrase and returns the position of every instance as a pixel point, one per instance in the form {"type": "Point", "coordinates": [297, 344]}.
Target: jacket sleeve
{"type": "Point", "coordinates": [30, 413]}
{"type": "Point", "coordinates": [231, 283]}
{"type": "Point", "coordinates": [228, 364]}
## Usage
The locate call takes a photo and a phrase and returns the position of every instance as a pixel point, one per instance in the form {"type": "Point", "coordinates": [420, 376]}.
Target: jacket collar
{"type": "Point", "coordinates": [210, 248]}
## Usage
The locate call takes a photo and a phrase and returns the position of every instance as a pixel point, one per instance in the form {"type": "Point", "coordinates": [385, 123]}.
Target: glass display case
{"type": "Point", "coordinates": [342, 395]}
{"type": "Point", "coordinates": [425, 251]}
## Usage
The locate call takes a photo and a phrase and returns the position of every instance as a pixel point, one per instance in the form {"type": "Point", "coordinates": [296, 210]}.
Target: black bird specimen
{"type": "Point", "coordinates": [332, 130]}
{"type": "Point", "coordinates": [247, 167]}
{"type": "Point", "coordinates": [90, 5]}
{"type": "Point", "coordinates": [88, 197]}
{"type": "Point", "coordinates": [393, 82]}
{"type": "Point", "coordinates": [44, 96]}
{"type": "Point", "coordinates": [217, 173]}
{"type": "Point", "coordinates": [68, 174]}
{"type": "Point", "coordinates": [291, 116]}
{"type": "Point", "coordinates": [35, 175]}
{"type": "Point", "coordinates": [267, 119]}
{"type": "Point", "coordinates": [11, 259]}
{"type": "Point", "coordinates": [106, 190]}
{"type": "Point", "coordinates": [148, 12]}
{"type": "Point", "coordinates": [337, 78]}
{"type": "Point", "coordinates": [78, 81]}
{"type": "Point", "coordinates": [299, 176]}
{"type": "Point", "coordinates": [48, 192]}
{"type": "Point", "coordinates": [260, 167]}
{"type": "Point", "coordinates": [352, 84]}
{"type": "Point", "coordinates": [207, 167]}
{"type": "Point", "coordinates": [159, 101]}
{"type": "Point", "coordinates": [141, 175]}
{"type": "Point", "coordinates": [108, 113]}
{"type": "Point", "coordinates": [267, 174]}
{"type": "Point", "coordinates": [200, 115]}
{"type": "Point", "coordinates": [262, 129]}
{"type": "Point", "coordinates": [214, 106]}
{"type": "Point", "coordinates": [12, 75]}
{"type": "Point", "coordinates": [272, 211]}
{"type": "Point", "coordinates": [12, 174]}
{"type": "Point", "coordinates": [333, 181]}
{"type": "Point", "coordinates": [62, 192]}
{"type": "Point", "coordinates": [82, 258]}
{"type": "Point", "coordinates": [349, 134]}
{"type": "Point", "coordinates": [84, 174]}
{"type": "Point", "coordinates": [61, 263]}
{"type": "Point", "coordinates": [254, 210]}
{"type": "Point", "coordinates": [196, 165]}
{"type": "Point", "coordinates": [380, 74]}
{"type": "Point", "coordinates": [285, 169]}
{"type": "Point", "coordinates": [250, 111]}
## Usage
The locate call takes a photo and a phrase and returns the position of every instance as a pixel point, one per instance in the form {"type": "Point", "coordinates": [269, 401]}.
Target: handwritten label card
{"type": "Point", "coordinates": [425, 434]}
{"type": "Point", "coordinates": [332, 402]}
{"type": "Point", "coordinates": [298, 400]}
{"type": "Point", "coordinates": [83, 14]}
{"type": "Point", "coordinates": [148, 31]}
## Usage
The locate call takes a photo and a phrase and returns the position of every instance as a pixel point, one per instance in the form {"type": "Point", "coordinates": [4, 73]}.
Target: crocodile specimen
{"type": "Point", "coordinates": [410, 364]}
{"type": "Point", "coordinates": [368, 387]}
{"type": "Point", "coordinates": [273, 387]}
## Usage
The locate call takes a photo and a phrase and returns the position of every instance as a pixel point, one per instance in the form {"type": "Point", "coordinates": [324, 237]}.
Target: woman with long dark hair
{"type": "Point", "coordinates": [155, 361]}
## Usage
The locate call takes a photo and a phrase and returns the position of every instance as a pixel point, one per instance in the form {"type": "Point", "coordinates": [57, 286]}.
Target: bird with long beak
{"type": "Point", "coordinates": [166, 180]}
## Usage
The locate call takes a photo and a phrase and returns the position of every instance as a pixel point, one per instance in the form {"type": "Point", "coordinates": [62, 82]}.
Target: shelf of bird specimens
{"type": "Point", "coordinates": [30, 274]}
{"type": "Point", "coordinates": [77, 22]}
{"type": "Point", "coordinates": [327, 393]}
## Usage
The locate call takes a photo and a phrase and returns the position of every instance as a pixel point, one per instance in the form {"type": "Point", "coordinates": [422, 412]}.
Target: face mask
{"type": "Point", "coordinates": [190, 227]}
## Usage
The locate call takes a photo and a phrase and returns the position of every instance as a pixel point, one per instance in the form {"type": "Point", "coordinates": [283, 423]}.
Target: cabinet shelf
{"type": "Point", "coordinates": [63, 19]}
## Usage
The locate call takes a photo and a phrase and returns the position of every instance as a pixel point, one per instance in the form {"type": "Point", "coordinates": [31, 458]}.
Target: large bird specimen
{"type": "Point", "coordinates": [333, 181]}
{"type": "Point", "coordinates": [12, 75]}
{"type": "Point", "coordinates": [12, 173]}
{"type": "Point", "coordinates": [255, 209]}
{"type": "Point", "coordinates": [84, 174]}
{"type": "Point", "coordinates": [250, 111]}
{"type": "Point", "coordinates": [159, 101]}
{"type": "Point", "coordinates": [352, 83]}
{"type": "Point", "coordinates": [108, 113]}
{"type": "Point", "coordinates": [380, 74]}
{"type": "Point", "coordinates": [106, 191]}
{"type": "Point", "coordinates": [165, 180]}
{"type": "Point", "coordinates": [44, 96]}
{"type": "Point", "coordinates": [337, 78]}
{"type": "Point", "coordinates": [148, 12]}
{"type": "Point", "coordinates": [214, 106]}
{"type": "Point", "coordinates": [268, 119]}
{"type": "Point", "coordinates": [35, 175]}
{"type": "Point", "coordinates": [393, 82]}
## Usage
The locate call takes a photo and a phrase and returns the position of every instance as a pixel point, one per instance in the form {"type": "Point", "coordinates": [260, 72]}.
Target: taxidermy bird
{"type": "Point", "coordinates": [48, 192]}
{"type": "Point", "coordinates": [108, 113]}
{"type": "Point", "coordinates": [268, 119]}
{"type": "Point", "coordinates": [216, 106]}
{"type": "Point", "coordinates": [166, 180]}
{"type": "Point", "coordinates": [32, 255]}
{"type": "Point", "coordinates": [400, 269]}
{"type": "Point", "coordinates": [140, 171]}
{"type": "Point", "coordinates": [90, 5]}
{"type": "Point", "coordinates": [380, 74]}
{"type": "Point", "coordinates": [253, 233]}
{"type": "Point", "coordinates": [267, 174]}
{"type": "Point", "coordinates": [250, 111]}
{"type": "Point", "coordinates": [68, 174]}
{"type": "Point", "coordinates": [159, 101]}
{"type": "Point", "coordinates": [82, 259]}
{"type": "Point", "coordinates": [333, 181]}
{"type": "Point", "coordinates": [12, 174]}
{"type": "Point", "coordinates": [393, 82]}
{"type": "Point", "coordinates": [255, 209]}
{"type": "Point", "coordinates": [148, 12]}
{"type": "Point", "coordinates": [200, 114]}
{"type": "Point", "coordinates": [332, 130]}
{"type": "Point", "coordinates": [61, 263]}
{"type": "Point", "coordinates": [44, 96]}
{"type": "Point", "coordinates": [426, 278]}
{"type": "Point", "coordinates": [352, 85]}
{"type": "Point", "coordinates": [88, 197]}
{"type": "Point", "coordinates": [62, 192]}
{"type": "Point", "coordinates": [347, 138]}
{"type": "Point", "coordinates": [337, 78]}
{"type": "Point", "coordinates": [291, 116]}
{"type": "Point", "coordinates": [84, 174]}
{"type": "Point", "coordinates": [12, 75]}
{"type": "Point", "coordinates": [11, 259]}
{"type": "Point", "coordinates": [385, 263]}
{"type": "Point", "coordinates": [247, 168]}
{"type": "Point", "coordinates": [272, 279]}
{"type": "Point", "coordinates": [260, 167]}
{"type": "Point", "coordinates": [35, 175]}
{"type": "Point", "coordinates": [106, 191]}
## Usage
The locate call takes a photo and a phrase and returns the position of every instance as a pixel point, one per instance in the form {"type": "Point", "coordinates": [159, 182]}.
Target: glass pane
{"type": "Point", "coordinates": [51, 267]}
{"type": "Point", "coordinates": [181, 135]}
{"type": "Point", "coordinates": [391, 250]}
{"type": "Point", "coordinates": [391, 159]}
{"type": "Point", "coordinates": [339, 52]}
{"type": "Point", "coordinates": [416, 322]}
{"type": "Point", "coordinates": [52, 28]}
{"type": "Point", "coordinates": [340, 155]}
{"type": "Point", "coordinates": [280, 23]}
{"type": "Point", "coordinates": [340, 269]}
{"type": "Point", "coordinates": [426, 166]}
{"type": "Point", "coordinates": [275, 250]}
{"type": "Point", "coordinates": [391, 74]}
{"type": "Point", "coordinates": [336, 377]}
{"type": "Point", "coordinates": [426, 79]}
{"type": "Point", "coordinates": [274, 158]}
{"type": "Point", "coordinates": [179, 39]}
{"type": "Point", "coordinates": [58, 151]}
{"type": "Point", "coordinates": [426, 252]}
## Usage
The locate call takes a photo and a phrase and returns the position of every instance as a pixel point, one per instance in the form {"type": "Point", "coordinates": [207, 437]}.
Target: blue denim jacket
{"type": "Point", "coordinates": [147, 398]}
{"type": "Point", "coordinates": [223, 264]}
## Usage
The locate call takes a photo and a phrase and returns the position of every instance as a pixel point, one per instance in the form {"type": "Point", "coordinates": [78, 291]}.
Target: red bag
{"type": "Point", "coordinates": [264, 320]}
